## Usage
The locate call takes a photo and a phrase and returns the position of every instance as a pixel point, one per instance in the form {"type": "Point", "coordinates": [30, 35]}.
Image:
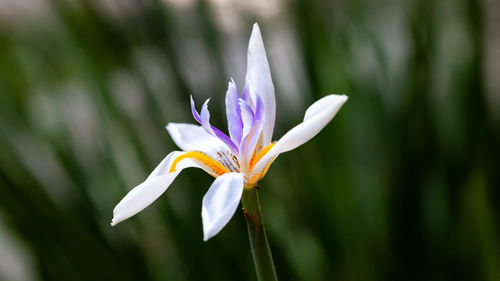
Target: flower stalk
{"type": "Point", "coordinates": [261, 252]}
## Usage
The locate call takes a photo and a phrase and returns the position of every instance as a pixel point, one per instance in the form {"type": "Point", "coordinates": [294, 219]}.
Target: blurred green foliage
{"type": "Point", "coordinates": [403, 184]}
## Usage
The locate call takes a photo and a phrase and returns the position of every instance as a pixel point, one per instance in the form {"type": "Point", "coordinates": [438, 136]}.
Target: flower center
{"type": "Point", "coordinates": [226, 162]}
{"type": "Point", "coordinates": [215, 169]}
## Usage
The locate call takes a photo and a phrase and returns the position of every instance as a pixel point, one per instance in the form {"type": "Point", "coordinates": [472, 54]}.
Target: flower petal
{"type": "Point", "coordinates": [317, 116]}
{"type": "Point", "coordinates": [204, 120]}
{"type": "Point", "coordinates": [246, 96]}
{"type": "Point", "coordinates": [259, 81]}
{"type": "Point", "coordinates": [248, 144]}
{"type": "Point", "coordinates": [220, 202]}
{"type": "Point", "coordinates": [190, 137]}
{"type": "Point", "coordinates": [259, 114]}
{"type": "Point", "coordinates": [147, 192]}
{"type": "Point", "coordinates": [247, 117]}
{"type": "Point", "coordinates": [195, 113]}
{"type": "Point", "coordinates": [233, 112]}
{"type": "Point", "coordinates": [252, 136]}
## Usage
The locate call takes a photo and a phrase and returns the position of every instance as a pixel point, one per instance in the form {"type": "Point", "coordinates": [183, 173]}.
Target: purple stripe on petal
{"type": "Point", "coordinates": [194, 112]}
{"type": "Point", "coordinates": [245, 93]}
{"type": "Point", "coordinates": [247, 97]}
{"type": "Point", "coordinates": [233, 112]}
{"type": "Point", "coordinates": [247, 146]}
{"type": "Point", "coordinates": [247, 117]}
{"type": "Point", "coordinates": [259, 110]}
{"type": "Point", "coordinates": [205, 117]}
{"type": "Point", "coordinates": [204, 120]}
{"type": "Point", "coordinates": [223, 137]}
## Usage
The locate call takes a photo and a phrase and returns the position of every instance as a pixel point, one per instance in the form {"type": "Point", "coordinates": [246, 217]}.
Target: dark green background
{"type": "Point", "coordinates": [404, 184]}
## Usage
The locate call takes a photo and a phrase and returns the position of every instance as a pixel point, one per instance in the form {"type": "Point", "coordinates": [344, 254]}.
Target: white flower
{"type": "Point", "coordinates": [236, 161]}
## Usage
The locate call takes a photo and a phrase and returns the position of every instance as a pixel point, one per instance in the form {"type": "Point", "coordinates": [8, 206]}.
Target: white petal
{"type": "Point", "coordinates": [317, 116]}
{"type": "Point", "coordinates": [220, 202]}
{"type": "Point", "coordinates": [145, 193]}
{"type": "Point", "coordinates": [190, 137]}
{"type": "Point", "coordinates": [259, 81]}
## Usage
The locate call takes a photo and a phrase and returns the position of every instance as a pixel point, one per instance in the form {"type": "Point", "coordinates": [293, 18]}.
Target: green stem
{"type": "Point", "coordinates": [261, 252]}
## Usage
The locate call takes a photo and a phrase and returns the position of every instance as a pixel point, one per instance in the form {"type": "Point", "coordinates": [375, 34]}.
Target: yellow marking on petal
{"type": "Point", "coordinates": [256, 158]}
{"type": "Point", "coordinates": [255, 177]}
{"type": "Point", "coordinates": [201, 157]}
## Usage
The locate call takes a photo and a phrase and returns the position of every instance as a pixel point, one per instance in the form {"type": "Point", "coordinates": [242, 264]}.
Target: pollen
{"type": "Point", "coordinates": [203, 159]}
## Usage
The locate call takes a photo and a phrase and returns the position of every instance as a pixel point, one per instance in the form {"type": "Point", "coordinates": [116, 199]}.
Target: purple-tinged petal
{"type": "Point", "coordinates": [233, 112]}
{"type": "Point", "coordinates": [247, 117]}
{"type": "Point", "coordinates": [247, 97]}
{"type": "Point", "coordinates": [194, 112]}
{"type": "Point", "coordinates": [223, 137]}
{"type": "Point", "coordinates": [204, 119]}
{"type": "Point", "coordinates": [259, 110]}
{"type": "Point", "coordinates": [253, 138]}
{"type": "Point", "coordinates": [248, 144]}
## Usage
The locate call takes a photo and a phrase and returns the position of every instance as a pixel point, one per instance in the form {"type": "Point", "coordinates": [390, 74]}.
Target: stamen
{"type": "Point", "coordinates": [201, 157]}
{"type": "Point", "coordinates": [228, 162]}
{"type": "Point", "coordinates": [235, 160]}
{"type": "Point", "coordinates": [256, 158]}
